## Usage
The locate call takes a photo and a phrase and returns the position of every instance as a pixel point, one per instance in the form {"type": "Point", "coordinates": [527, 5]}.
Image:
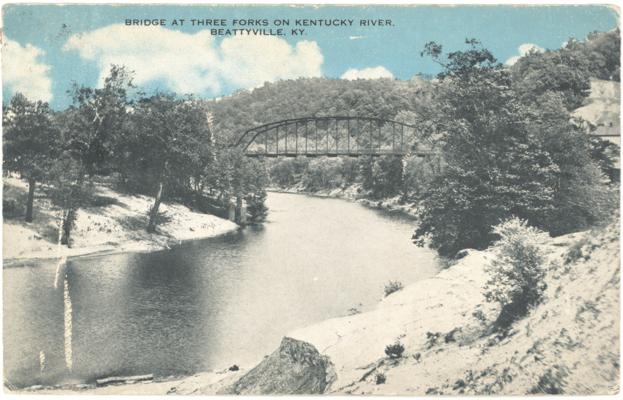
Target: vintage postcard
{"type": "Point", "coordinates": [311, 199]}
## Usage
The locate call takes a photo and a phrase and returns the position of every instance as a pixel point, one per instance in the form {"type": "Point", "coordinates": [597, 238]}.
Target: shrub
{"type": "Point", "coordinates": [394, 351]}
{"type": "Point", "coordinates": [575, 251]}
{"type": "Point", "coordinates": [516, 273]}
{"type": "Point", "coordinates": [392, 286]}
{"type": "Point", "coordinates": [432, 338]}
{"type": "Point", "coordinates": [379, 378]}
{"type": "Point", "coordinates": [11, 208]}
{"type": "Point", "coordinates": [551, 382]}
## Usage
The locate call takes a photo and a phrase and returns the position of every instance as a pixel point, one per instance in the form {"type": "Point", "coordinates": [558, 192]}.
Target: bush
{"type": "Point", "coordinates": [381, 175]}
{"type": "Point", "coordinates": [379, 378]}
{"type": "Point", "coordinates": [575, 251]}
{"type": "Point", "coordinates": [392, 286]}
{"type": "Point", "coordinates": [11, 208]}
{"type": "Point", "coordinates": [394, 351]}
{"type": "Point", "coordinates": [516, 273]}
{"type": "Point", "coordinates": [432, 339]}
{"type": "Point", "coordinates": [256, 206]}
{"type": "Point", "coordinates": [322, 173]}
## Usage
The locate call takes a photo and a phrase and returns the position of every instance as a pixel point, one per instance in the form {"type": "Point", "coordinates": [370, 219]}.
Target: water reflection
{"type": "Point", "coordinates": [67, 318]}
{"type": "Point", "coordinates": [206, 304]}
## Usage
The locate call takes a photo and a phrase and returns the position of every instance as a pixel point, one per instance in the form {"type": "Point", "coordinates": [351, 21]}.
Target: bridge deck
{"type": "Point", "coordinates": [375, 153]}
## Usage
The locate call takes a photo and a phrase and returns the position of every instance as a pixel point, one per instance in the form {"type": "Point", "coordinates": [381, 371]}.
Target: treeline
{"type": "Point", "coordinates": [378, 177]}
{"type": "Point", "coordinates": [567, 71]}
{"type": "Point", "coordinates": [507, 154]}
{"type": "Point", "coordinates": [506, 144]}
{"type": "Point", "coordinates": [161, 145]}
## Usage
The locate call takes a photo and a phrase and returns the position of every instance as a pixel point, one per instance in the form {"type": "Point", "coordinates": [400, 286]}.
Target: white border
{"type": "Point", "coordinates": [614, 4]}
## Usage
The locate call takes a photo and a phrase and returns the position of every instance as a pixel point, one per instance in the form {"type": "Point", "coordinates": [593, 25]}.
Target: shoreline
{"type": "Point", "coordinates": [117, 226]}
{"type": "Point", "coordinates": [442, 321]}
{"type": "Point", "coordinates": [391, 205]}
{"type": "Point", "coordinates": [159, 242]}
{"type": "Point", "coordinates": [136, 246]}
{"type": "Point", "coordinates": [162, 384]}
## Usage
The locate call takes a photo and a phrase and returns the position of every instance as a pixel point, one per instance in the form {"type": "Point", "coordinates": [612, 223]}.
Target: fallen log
{"type": "Point", "coordinates": [124, 379]}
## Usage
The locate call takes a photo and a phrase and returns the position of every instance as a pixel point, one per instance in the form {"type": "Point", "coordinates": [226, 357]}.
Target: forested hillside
{"type": "Point", "coordinates": [505, 139]}
{"type": "Point", "coordinates": [380, 98]}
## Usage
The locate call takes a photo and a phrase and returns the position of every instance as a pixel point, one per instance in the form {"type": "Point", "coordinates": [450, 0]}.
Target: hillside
{"type": "Point", "coordinates": [569, 344]}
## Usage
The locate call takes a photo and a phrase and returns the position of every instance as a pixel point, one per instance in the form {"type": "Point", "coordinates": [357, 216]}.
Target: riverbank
{"type": "Point", "coordinates": [569, 344]}
{"type": "Point", "coordinates": [357, 194]}
{"type": "Point", "coordinates": [115, 224]}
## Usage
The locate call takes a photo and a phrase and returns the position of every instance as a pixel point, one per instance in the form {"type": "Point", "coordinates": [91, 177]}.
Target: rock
{"type": "Point", "coordinates": [234, 368]}
{"type": "Point", "coordinates": [296, 367]}
{"type": "Point", "coordinates": [463, 253]}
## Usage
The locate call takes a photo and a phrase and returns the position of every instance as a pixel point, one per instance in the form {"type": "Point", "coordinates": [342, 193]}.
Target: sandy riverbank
{"type": "Point", "coordinates": [568, 344]}
{"type": "Point", "coordinates": [117, 225]}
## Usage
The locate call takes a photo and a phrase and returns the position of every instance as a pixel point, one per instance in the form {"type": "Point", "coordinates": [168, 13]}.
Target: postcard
{"type": "Point", "coordinates": [311, 199]}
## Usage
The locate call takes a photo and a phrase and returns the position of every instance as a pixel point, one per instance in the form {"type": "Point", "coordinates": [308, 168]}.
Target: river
{"type": "Point", "coordinates": [205, 304]}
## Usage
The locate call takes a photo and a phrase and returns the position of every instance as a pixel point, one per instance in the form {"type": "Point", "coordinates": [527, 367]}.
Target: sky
{"type": "Point", "coordinates": [47, 48]}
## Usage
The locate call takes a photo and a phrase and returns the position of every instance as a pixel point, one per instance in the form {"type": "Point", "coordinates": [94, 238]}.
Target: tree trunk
{"type": "Point", "coordinates": [153, 213]}
{"type": "Point", "coordinates": [239, 209]}
{"type": "Point", "coordinates": [68, 223]}
{"type": "Point", "coordinates": [30, 200]}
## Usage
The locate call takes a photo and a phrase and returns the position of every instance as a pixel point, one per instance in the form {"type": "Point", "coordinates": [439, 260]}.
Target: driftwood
{"type": "Point", "coordinates": [124, 379]}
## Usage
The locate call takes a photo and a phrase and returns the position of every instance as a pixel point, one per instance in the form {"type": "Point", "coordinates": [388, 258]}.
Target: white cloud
{"type": "Point", "coordinates": [522, 50]}
{"type": "Point", "coordinates": [356, 37]}
{"type": "Point", "coordinates": [190, 63]}
{"type": "Point", "coordinates": [22, 71]}
{"type": "Point", "coordinates": [367, 73]}
{"type": "Point", "coordinates": [251, 61]}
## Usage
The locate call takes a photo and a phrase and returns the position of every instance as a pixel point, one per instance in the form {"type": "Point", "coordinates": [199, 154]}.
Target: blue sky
{"type": "Point", "coordinates": [49, 47]}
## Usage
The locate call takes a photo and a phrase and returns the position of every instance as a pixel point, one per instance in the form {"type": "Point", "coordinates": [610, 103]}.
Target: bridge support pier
{"type": "Point", "coordinates": [237, 211]}
{"type": "Point", "coordinates": [231, 211]}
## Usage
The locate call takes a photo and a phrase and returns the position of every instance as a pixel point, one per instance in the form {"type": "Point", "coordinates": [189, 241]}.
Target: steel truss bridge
{"type": "Point", "coordinates": [331, 136]}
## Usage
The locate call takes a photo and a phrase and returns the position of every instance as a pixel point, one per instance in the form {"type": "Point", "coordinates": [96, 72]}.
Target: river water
{"type": "Point", "coordinates": [206, 304]}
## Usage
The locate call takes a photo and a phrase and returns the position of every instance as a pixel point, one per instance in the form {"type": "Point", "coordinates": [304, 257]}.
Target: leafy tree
{"type": "Point", "coordinates": [568, 70]}
{"type": "Point", "coordinates": [603, 153]}
{"type": "Point", "coordinates": [565, 71]}
{"type": "Point", "coordinates": [168, 141]}
{"type": "Point", "coordinates": [69, 191]}
{"type": "Point", "coordinates": [504, 155]}
{"type": "Point", "coordinates": [418, 174]}
{"type": "Point", "coordinates": [243, 179]}
{"type": "Point", "coordinates": [95, 120]}
{"type": "Point", "coordinates": [386, 176]}
{"type": "Point", "coordinates": [603, 49]}
{"type": "Point", "coordinates": [89, 131]}
{"type": "Point", "coordinates": [29, 142]}
{"type": "Point", "coordinates": [580, 196]}
{"type": "Point", "coordinates": [494, 166]}
{"type": "Point", "coordinates": [256, 180]}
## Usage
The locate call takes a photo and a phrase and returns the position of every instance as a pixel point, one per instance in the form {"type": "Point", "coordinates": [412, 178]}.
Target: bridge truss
{"type": "Point", "coordinates": [332, 136]}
